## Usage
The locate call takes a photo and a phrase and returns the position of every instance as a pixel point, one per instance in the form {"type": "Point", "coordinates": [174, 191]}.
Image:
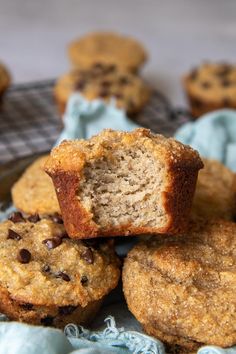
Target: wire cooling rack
{"type": "Point", "coordinates": [30, 123]}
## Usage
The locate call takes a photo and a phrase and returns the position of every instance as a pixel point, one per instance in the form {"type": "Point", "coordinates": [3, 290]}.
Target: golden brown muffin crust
{"type": "Point", "coordinates": [188, 283]}
{"type": "Point", "coordinates": [5, 78]}
{"type": "Point", "coordinates": [107, 48]}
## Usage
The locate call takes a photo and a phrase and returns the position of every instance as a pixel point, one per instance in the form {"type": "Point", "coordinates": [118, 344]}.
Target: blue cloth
{"type": "Point", "coordinates": [213, 135]}
{"type": "Point", "coordinates": [84, 118]}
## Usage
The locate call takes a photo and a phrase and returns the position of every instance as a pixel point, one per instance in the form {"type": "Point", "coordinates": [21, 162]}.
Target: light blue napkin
{"type": "Point", "coordinates": [213, 135]}
{"type": "Point", "coordinates": [84, 118]}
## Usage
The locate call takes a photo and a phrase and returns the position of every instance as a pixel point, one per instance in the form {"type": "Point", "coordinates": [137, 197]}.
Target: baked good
{"type": "Point", "coordinates": [107, 48]}
{"type": "Point", "coordinates": [182, 289]}
{"type": "Point", "coordinates": [211, 86]}
{"type": "Point", "coordinates": [104, 82]}
{"type": "Point", "coordinates": [215, 195]}
{"type": "Point", "coordinates": [4, 79]}
{"type": "Point", "coordinates": [34, 192]}
{"type": "Point", "coordinates": [46, 278]}
{"type": "Point", "coordinates": [124, 183]}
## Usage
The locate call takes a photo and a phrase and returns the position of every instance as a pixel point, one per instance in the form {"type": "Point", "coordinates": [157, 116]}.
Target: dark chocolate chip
{"type": "Point", "coordinates": [193, 74]}
{"type": "Point", "coordinates": [226, 82]}
{"type": "Point", "coordinates": [62, 275]}
{"type": "Point", "coordinates": [97, 66]}
{"type": "Point", "coordinates": [106, 83]}
{"type": "Point", "coordinates": [84, 280]}
{"type": "Point", "coordinates": [57, 218]}
{"type": "Point", "coordinates": [110, 68]}
{"type": "Point", "coordinates": [46, 268]}
{"type": "Point", "coordinates": [123, 80]}
{"type": "Point", "coordinates": [80, 85]}
{"type": "Point", "coordinates": [196, 103]}
{"type": "Point", "coordinates": [224, 70]}
{"type": "Point", "coordinates": [64, 235]}
{"type": "Point", "coordinates": [66, 310]}
{"type": "Point", "coordinates": [52, 242]}
{"type": "Point", "coordinates": [34, 218]}
{"type": "Point", "coordinates": [16, 217]}
{"type": "Point", "coordinates": [24, 256]}
{"type": "Point", "coordinates": [119, 95]}
{"type": "Point", "coordinates": [206, 84]}
{"type": "Point", "coordinates": [104, 92]}
{"type": "Point", "coordinates": [87, 255]}
{"type": "Point", "coordinates": [13, 235]}
{"type": "Point", "coordinates": [47, 321]}
{"type": "Point", "coordinates": [226, 102]}
{"type": "Point", "coordinates": [27, 306]}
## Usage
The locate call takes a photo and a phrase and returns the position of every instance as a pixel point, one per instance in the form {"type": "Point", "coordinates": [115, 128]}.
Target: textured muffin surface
{"type": "Point", "coordinates": [34, 192]}
{"type": "Point", "coordinates": [104, 82]}
{"type": "Point", "coordinates": [215, 195]}
{"type": "Point", "coordinates": [40, 266]}
{"type": "Point", "coordinates": [120, 183]}
{"type": "Point", "coordinates": [107, 48]}
{"type": "Point", "coordinates": [182, 289]}
{"type": "Point", "coordinates": [5, 78]}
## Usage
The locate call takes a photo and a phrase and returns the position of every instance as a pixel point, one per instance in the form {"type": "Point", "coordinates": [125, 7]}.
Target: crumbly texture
{"type": "Point", "coordinates": [182, 289]}
{"type": "Point", "coordinates": [107, 48]}
{"type": "Point", "coordinates": [5, 79]}
{"type": "Point", "coordinates": [34, 192]}
{"type": "Point", "coordinates": [46, 278]}
{"type": "Point", "coordinates": [105, 82]}
{"type": "Point", "coordinates": [124, 183]}
{"type": "Point", "coordinates": [215, 195]}
{"type": "Point", "coordinates": [211, 86]}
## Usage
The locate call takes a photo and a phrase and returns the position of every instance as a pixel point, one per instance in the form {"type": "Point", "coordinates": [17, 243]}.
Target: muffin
{"type": "Point", "coordinates": [182, 289]}
{"type": "Point", "coordinates": [211, 86]}
{"type": "Point", "coordinates": [5, 79]}
{"type": "Point", "coordinates": [124, 183]}
{"type": "Point", "coordinates": [107, 48]}
{"type": "Point", "coordinates": [47, 279]}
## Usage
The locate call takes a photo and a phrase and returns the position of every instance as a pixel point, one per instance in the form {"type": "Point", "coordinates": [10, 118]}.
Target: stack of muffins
{"type": "Point", "coordinates": [105, 65]}
{"type": "Point", "coordinates": [59, 260]}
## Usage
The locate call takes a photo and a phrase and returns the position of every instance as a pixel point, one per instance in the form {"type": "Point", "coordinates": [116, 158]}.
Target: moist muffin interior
{"type": "Point", "coordinates": [124, 188]}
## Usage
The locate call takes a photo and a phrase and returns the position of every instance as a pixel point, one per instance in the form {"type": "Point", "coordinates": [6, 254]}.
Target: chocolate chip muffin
{"type": "Point", "coordinates": [4, 79]}
{"type": "Point", "coordinates": [103, 81]}
{"type": "Point", "coordinates": [211, 86]}
{"type": "Point", "coordinates": [34, 192]}
{"type": "Point", "coordinates": [182, 289]}
{"type": "Point", "coordinates": [107, 48]}
{"type": "Point", "coordinates": [124, 183]}
{"type": "Point", "coordinates": [215, 195]}
{"type": "Point", "coordinates": [45, 278]}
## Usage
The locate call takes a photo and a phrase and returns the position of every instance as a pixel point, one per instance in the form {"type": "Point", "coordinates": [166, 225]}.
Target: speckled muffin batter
{"type": "Point", "coordinates": [103, 81]}
{"type": "Point", "coordinates": [182, 289]}
{"type": "Point", "coordinates": [107, 48]}
{"type": "Point", "coordinates": [34, 192]}
{"type": "Point", "coordinates": [45, 278]}
{"type": "Point", "coordinates": [211, 86]}
{"type": "Point", "coordinates": [4, 79]}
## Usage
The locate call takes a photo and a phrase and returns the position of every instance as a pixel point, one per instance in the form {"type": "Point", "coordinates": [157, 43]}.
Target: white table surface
{"type": "Point", "coordinates": [178, 34]}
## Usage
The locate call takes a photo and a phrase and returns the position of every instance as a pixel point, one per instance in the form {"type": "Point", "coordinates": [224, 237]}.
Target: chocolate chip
{"type": "Point", "coordinates": [224, 70]}
{"type": "Point", "coordinates": [226, 102]}
{"type": "Point", "coordinates": [196, 103]}
{"type": "Point", "coordinates": [84, 280]}
{"type": "Point", "coordinates": [106, 83]}
{"type": "Point", "coordinates": [66, 310]}
{"type": "Point", "coordinates": [87, 255]}
{"type": "Point", "coordinates": [47, 321]}
{"type": "Point", "coordinates": [193, 74]}
{"type": "Point", "coordinates": [119, 95]}
{"type": "Point", "coordinates": [80, 85]}
{"type": "Point", "coordinates": [34, 218]}
{"type": "Point", "coordinates": [46, 268]}
{"type": "Point", "coordinates": [225, 82]}
{"type": "Point", "coordinates": [104, 92]}
{"type": "Point", "coordinates": [52, 242]}
{"type": "Point", "coordinates": [110, 68]}
{"type": "Point", "coordinates": [123, 80]}
{"type": "Point", "coordinates": [97, 66]}
{"type": "Point", "coordinates": [206, 84]}
{"type": "Point", "coordinates": [64, 235]}
{"type": "Point", "coordinates": [27, 306]}
{"type": "Point", "coordinates": [16, 217]}
{"type": "Point", "coordinates": [24, 256]}
{"type": "Point", "coordinates": [13, 235]}
{"type": "Point", "coordinates": [57, 218]}
{"type": "Point", "coordinates": [62, 275]}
